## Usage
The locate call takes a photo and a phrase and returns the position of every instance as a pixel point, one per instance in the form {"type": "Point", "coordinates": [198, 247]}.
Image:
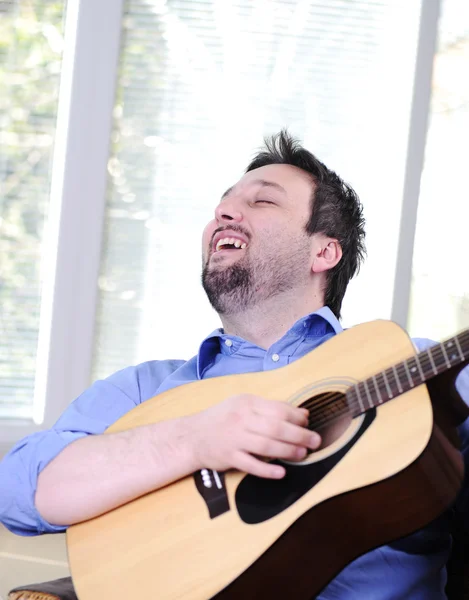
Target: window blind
{"type": "Point", "coordinates": [201, 83]}
{"type": "Point", "coordinates": [31, 40]}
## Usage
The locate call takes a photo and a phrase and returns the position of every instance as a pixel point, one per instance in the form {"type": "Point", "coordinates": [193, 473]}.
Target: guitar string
{"type": "Point", "coordinates": [328, 401]}
{"type": "Point", "coordinates": [320, 408]}
{"type": "Point", "coordinates": [404, 367]}
{"type": "Point", "coordinates": [401, 370]}
{"type": "Point", "coordinates": [333, 397]}
{"type": "Point", "coordinates": [319, 418]}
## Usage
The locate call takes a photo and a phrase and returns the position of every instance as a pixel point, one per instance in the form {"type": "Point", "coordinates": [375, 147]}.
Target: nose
{"type": "Point", "coordinates": [228, 211]}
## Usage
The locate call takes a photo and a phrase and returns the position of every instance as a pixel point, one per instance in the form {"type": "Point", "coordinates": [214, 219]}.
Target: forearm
{"type": "Point", "coordinates": [100, 472]}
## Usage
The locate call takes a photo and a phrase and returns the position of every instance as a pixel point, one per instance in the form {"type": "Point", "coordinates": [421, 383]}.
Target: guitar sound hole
{"type": "Point", "coordinates": [329, 416]}
{"type": "Point", "coordinates": [258, 499]}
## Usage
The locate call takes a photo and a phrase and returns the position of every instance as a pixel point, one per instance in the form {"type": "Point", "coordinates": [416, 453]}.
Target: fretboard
{"type": "Point", "coordinates": [404, 376]}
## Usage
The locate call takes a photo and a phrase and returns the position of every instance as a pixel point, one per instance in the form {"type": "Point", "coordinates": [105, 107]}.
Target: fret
{"type": "Point", "coordinates": [390, 394]}
{"type": "Point", "coordinates": [448, 363]}
{"type": "Point", "coordinates": [411, 382]}
{"type": "Point", "coordinates": [452, 356]}
{"type": "Point", "coordinates": [435, 370]}
{"type": "Point", "coordinates": [367, 391]}
{"type": "Point", "coordinates": [407, 374]}
{"type": "Point", "coordinates": [396, 377]}
{"type": "Point", "coordinates": [359, 398]}
{"type": "Point", "coordinates": [417, 360]}
{"type": "Point", "coordinates": [377, 390]}
{"type": "Point", "coordinates": [355, 401]}
{"type": "Point", "coordinates": [461, 353]}
{"type": "Point", "coordinates": [415, 370]}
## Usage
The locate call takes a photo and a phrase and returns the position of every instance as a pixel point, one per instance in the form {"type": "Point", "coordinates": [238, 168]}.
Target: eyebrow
{"type": "Point", "coordinates": [263, 183]}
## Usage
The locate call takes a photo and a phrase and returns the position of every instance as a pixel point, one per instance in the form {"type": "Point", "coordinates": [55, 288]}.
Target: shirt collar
{"type": "Point", "coordinates": [318, 323]}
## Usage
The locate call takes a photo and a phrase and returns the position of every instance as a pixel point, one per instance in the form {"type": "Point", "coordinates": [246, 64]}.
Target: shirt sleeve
{"type": "Point", "coordinates": [91, 413]}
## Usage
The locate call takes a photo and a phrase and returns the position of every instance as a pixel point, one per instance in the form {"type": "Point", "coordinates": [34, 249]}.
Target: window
{"type": "Point", "coordinates": [199, 86]}
{"type": "Point", "coordinates": [162, 103]}
{"type": "Point", "coordinates": [440, 286]}
{"type": "Point", "coordinates": [31, 43]}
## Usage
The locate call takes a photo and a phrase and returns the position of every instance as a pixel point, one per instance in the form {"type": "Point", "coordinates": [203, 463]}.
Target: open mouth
{"type": "Point", "coordinates": [230, 244]}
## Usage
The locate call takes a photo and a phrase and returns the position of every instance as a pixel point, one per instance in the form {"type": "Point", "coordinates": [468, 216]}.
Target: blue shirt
{"type": "Point", "coordinates": [411, 568]}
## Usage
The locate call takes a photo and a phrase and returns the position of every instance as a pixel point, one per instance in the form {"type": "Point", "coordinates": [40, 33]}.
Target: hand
{"type": "Point", "coordinates": [231, 434]}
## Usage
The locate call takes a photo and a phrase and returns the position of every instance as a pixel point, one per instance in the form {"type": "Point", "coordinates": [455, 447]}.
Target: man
{"type": "Point", "coordinates": [284, 243]}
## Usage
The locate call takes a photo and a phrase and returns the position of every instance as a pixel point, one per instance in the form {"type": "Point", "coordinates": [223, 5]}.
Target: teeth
{"type": "Point", "coordinates": [232, 241]}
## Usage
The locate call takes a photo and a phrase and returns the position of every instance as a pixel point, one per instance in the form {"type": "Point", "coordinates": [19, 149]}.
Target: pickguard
{"type": "Point", "coordinates": [259, 499]}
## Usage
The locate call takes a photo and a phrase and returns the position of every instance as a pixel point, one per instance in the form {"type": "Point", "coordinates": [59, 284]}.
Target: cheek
{"type": "Point", "coordinates": [207, 236]}
{"type": "Point", "coordinates": [285, 240]}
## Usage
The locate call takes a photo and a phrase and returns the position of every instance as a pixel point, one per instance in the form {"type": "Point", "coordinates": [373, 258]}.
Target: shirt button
{"type": "Point", "coordinates": [275, 357]}
{"type": "Point", "coordinates": [229, 343]}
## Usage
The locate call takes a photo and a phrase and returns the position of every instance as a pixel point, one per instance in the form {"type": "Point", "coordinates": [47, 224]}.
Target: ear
{"type": "Point", "coordinates": [327, 252]}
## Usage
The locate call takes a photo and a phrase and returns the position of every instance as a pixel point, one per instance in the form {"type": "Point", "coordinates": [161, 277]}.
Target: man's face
{"type": "Point", "coordinates": [257, 246]}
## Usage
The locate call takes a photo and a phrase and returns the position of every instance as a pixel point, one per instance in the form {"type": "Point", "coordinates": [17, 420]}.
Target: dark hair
{"type": "Point", "coordinates": [336, 210]}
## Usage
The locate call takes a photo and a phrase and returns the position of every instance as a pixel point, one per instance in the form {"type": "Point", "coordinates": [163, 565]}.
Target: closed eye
{"type": "Point", "coordinates": [265, 201]}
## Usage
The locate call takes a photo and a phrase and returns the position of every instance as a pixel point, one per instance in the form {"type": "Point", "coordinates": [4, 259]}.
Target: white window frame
{"type": "Point", "coordinates": [78, 197]}
{"type": "Point", "coordinates": [74, 228]}
{"type": "Point", "coordinates": [417, 140]}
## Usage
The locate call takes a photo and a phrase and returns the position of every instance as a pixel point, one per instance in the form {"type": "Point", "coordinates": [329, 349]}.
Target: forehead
{"type": "Point", "coordinates": [296, 182]}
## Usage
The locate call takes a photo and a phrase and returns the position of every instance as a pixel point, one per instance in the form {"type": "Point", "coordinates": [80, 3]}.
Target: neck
{"type": "Point", "coordinates": [265, 323]}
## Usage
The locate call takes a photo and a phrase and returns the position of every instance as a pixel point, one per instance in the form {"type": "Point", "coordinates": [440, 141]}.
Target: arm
{"type": "Point", "coordinates": [89, 415]}
{"type": "Point", "coordinates": [99, 473]}
{"type": "Point", "coordinates": [77, 465]}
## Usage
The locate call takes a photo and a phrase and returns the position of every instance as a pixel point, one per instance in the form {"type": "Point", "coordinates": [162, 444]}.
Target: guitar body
{"type": "Point", "coordinates": [390, 473]}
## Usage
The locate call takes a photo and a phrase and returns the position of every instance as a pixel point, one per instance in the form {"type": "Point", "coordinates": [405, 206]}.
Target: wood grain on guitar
{"type": "Point", "coordinates": [388, 466]}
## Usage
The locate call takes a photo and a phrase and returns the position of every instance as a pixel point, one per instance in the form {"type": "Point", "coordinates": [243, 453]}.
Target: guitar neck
{"type": "Point", "coordinates": [404, 376]}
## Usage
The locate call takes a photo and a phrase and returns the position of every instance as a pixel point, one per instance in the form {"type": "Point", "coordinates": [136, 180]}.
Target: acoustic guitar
{"type": "Point", "coordinates": [390, 466]}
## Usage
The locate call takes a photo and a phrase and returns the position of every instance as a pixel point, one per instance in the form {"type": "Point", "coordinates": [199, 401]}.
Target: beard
{"type": "Point", "coordinates": [229, 290]}
{"type": "Point", "coordinates": [242, 285]}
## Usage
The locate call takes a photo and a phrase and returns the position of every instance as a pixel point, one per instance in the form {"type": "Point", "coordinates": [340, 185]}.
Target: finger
{"type": "Point", "coordinates": [284, 431]}
{"type": "Point", "coordinates": [282, 410]}
{"type": "Point", "coordinates": [254, 466]}
{"type": "Point", "coordinates": [269, 448]}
